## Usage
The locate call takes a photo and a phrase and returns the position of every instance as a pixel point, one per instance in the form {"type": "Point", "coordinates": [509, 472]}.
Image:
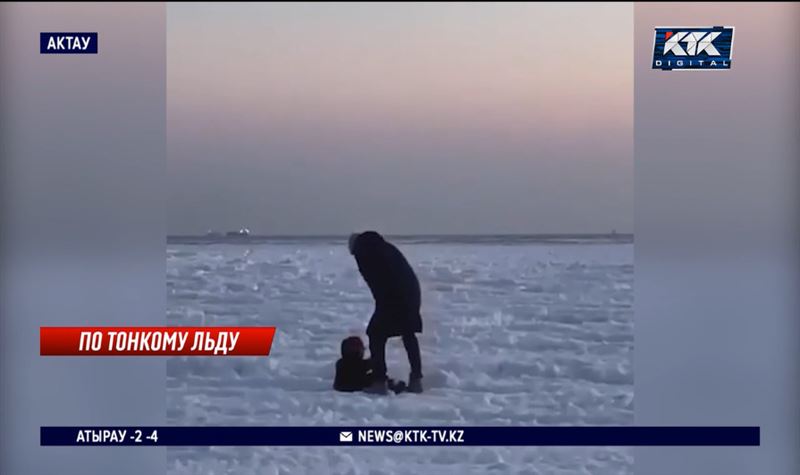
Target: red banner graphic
{"type": "Point", "coordinates": [155, 341]}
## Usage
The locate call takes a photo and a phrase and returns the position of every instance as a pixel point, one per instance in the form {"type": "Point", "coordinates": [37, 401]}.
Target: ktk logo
{"type": "Point", "coordinates": [695, 48]}
{"type": "Point", "coordinates": [696, 42]}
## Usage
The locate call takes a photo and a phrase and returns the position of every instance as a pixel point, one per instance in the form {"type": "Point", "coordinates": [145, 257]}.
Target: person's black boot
{"type": "Point", "coordinates": [378, 387]}
{"type": "Point", "coordinates": [414, 384]}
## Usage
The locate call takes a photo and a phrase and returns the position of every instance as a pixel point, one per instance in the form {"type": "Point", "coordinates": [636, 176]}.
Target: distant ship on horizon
{"type": "Point", "coordinates": [242, 232]}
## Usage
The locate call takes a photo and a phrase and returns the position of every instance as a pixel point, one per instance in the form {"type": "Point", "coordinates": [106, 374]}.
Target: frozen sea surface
{"type": "Point", "coordinates": [519, 333]}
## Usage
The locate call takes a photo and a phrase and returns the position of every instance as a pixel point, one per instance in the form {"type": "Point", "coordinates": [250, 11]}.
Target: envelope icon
{"type": "Point", "coordinates": [346, 436]}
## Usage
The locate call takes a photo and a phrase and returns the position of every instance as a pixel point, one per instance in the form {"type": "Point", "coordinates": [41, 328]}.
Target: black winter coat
{"type": "Point", "coordinates": [352, 374]}
{"type": "Point", "coordinates": [393, 284]}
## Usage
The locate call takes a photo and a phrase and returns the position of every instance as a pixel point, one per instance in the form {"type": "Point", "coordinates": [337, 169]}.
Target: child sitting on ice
{"type": "Point", "coordinates": [353, 372]}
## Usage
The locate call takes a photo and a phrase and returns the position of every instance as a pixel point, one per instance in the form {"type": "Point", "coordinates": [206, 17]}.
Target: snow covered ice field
{"type": "Point", "coordinates": [517, 332]}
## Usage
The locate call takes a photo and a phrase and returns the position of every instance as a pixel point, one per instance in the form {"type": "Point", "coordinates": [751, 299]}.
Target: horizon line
{"type": "Point", "coordinates": [401, 235]}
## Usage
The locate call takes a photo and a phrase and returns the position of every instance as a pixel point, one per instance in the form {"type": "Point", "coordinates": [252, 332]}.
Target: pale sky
{"type": "Point", "coordinates": [406, 118]}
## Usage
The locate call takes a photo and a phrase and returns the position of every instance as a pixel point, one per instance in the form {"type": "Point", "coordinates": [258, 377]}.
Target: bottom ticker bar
{"type": "Point", "coordinates": [468, 436]}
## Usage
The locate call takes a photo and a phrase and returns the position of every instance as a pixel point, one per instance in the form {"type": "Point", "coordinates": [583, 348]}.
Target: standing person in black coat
{"type": "Point", "coordinates": [396, 291]}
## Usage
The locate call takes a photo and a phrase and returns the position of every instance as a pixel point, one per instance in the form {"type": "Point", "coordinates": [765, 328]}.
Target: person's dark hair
{"type": "Point", "coordinates": [352, 347]}
{"type": "Point", "coordinates": [366, 241]}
